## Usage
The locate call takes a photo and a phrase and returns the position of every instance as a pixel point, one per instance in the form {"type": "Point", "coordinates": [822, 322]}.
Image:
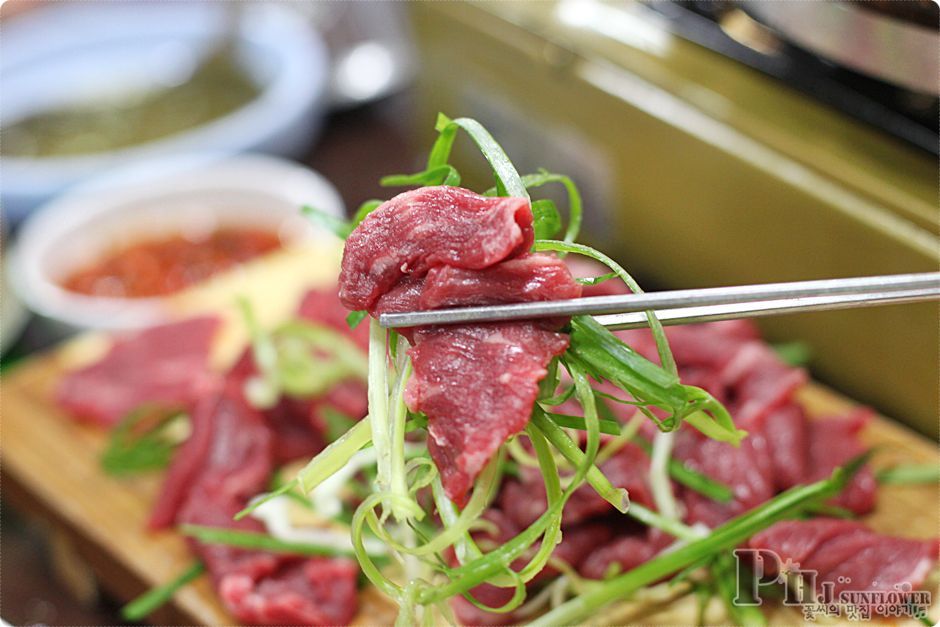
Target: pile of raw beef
{"type": "Point", "coordinates": [784, 448]}
{"type": "Point", "coordinates": [229, 457]}
{"type": "Point", "coordinates": [445, 247]}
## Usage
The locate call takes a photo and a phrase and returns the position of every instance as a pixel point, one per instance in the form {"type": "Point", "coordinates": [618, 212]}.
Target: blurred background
{"type": "Point", "coordinates": [148, 146]}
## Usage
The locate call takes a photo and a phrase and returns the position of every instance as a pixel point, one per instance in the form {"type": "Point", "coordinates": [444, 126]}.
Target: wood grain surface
{"type": "Point", "coordinates": [50, 464]}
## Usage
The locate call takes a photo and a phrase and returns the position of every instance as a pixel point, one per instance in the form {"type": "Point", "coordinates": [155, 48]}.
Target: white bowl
{"type": "Point", "coordinates": [72, 52]}
{"type": "Point", "coordinates": [147, 200]}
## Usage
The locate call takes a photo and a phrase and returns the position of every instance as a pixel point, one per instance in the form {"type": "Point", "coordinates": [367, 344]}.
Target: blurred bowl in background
{"type": "Point", "coordinates": [146, 202]}
{"type": "Point", "coordinates": [12, 313]}
{"type": "Point", "coordinates": [371, 49]}
{"type": "Point", "coordinates": [79, 55]}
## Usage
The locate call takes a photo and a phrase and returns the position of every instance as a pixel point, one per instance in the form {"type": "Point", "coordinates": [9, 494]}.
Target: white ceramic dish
{"type": "Point", "coordinates": [13, 316]}
{"type": "Point", "coordinates": [146, 200]}
{"type": "Point", "coordinates": [70, 52]}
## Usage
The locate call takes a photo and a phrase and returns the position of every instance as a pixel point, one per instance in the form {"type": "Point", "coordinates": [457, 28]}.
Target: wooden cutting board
{"type": "Point", "coordinates": [50, 463]}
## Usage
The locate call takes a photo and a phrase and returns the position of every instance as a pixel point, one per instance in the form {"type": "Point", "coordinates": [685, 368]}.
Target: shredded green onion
{"type": "Point", "coordinates": [355, 317]}
{"type": "Point", "coordinates": [419, 543]}
{"type": "Point", "coordinates": [147, 603]}
{"type": "Point", "coordinates": [260, 541]}
{"type": "Point", "coordinates": [607, 357]}
{"type": "Point", "coordinates": [701, 483]}
{"type": "Point", "coordinates": [793, 353]}
{"type": "Point", "coordinates": [725, 577]}
{"type": "Point", "coordinates": [299, 358]}
{"type": "Point", "coordinates": [910, 474]}
{"type": "Point", "coordinates": [339, 227]}
{"type": "Point", "coordinates": [607, 427]}
{"type": "Point", "coordinates": [722, 538]}
{"type": "Point", "coordinates": [142, 441]}
{"type": "Point", "coordinates": [440, 175]}
{"type": "Point", "coordinates": [546, 222]}
{"type": "Point", "coordinates": [617, 497]}
{"type": "Point", "coordinates": [508, 181]}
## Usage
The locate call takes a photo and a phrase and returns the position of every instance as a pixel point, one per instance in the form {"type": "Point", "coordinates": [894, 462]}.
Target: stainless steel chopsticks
{"type": "Point", "coordinates": [699, 305]}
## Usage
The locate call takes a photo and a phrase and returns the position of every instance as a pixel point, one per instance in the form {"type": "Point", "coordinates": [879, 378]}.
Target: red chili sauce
{"type": "Point", "coordinates": [163, 266]}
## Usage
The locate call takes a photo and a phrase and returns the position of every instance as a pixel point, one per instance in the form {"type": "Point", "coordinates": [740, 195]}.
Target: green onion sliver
{"type": "Point", "coordinates": [260, 541]}
{"type": "Point", "coordinates": [508, 180]}
{"type": "Point", "coordinates": [617, 497]}
{"type": "Point", "coordinates": [150, 601]}
{"type": "Point", "coordinates": [722, 538]}
{"type": "Point", "coordinates": [910, 474]}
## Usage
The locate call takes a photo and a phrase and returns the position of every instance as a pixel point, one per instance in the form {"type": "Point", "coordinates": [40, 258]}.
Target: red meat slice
{"type": "Point", "coordinates": [746, 469]}
{"type": "Point", "coordinates": [626, 551]}
{"type": "Point", "coordinates": [427, 227]}
{"type": "Point", "coordinates": [227, 460]}
{"type": "Point", "coordinates": [758, 382]}
{"type": "Point", "coordinates": [849, 556]}
{"type": "Point", "coordinates": [315, 591]}
{"type": "Point", "coordinates": [833, 442]}
{"type": "Point", "coordinates": [710, 345]}
{"type": "Point", "coordinates": [166, 365]}
{"type": "Point", "coordinates": [405, 296]}
{"type": "Point", "coordinates": [477, 385]}
{"type": "Point", "coordinates": [299, 425]}
{"type": "Point", "coordinates": [296, 434]}
{"type": "Point", "coordinates": [526, 278]}
{"type": "Point", "coordinates": [576, 543]}
{"type": "Point", "coordinates": [323, 306]}
{"type": "Point", "coordinates": [265, 588]}
{"type": "Point", "coordinates": [524, 500]}
{"type": "Point", "coordinates": [228, 453]}
{"type": "Point", "coordinates": [785, 434]}
{"type": "Point", "coordinates": [188, 462]}
{"type": "Point", "coordinates": [798, 542]}
{"type": "Point", "coordinates": [445, 246]}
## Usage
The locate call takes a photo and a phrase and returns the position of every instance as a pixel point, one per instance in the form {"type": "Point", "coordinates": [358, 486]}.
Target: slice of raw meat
{"type": "Point", "coordinates": [312, 591]}
{"type": "Point", "coordinates": [323, 306]}
{"type": "Point", "coordinates": [229, 449]}
{"type": "Point", "coordinates": [833, 442]}
{"type": "Point", "coordinates": [299, 425]}
{"type": "Point", "coordinates": [624, 552]}
{"type": "Point", "coordinates": [785, 435]}
{"type": "Point", "coordinates": [746, 469]}
{"type": "Point", "coordinates": [477, 385]}
{"type": "Point", "coordinates": [756, 381]}
{"type": "Point", "coordinates": [428, 227]}
{"type": "Point", "coordinates": [227, 460]}
{"type": "Point", "coordinates": [445, 246]}
{"type": "Point", "coordinates": [165, 366]}
{"type": "Point", "coordinates": [526, 278]}
{"type": "Point", "coordinates": [848, 556]}
{"type": "Point", "coordinates": [188, 461]}
{"type": "Point", "coordinates": [524, 500]}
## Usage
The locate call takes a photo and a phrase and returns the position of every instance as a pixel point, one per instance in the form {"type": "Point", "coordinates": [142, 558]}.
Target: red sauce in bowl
{"type": "Point", "coordinates": [163, 266]}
